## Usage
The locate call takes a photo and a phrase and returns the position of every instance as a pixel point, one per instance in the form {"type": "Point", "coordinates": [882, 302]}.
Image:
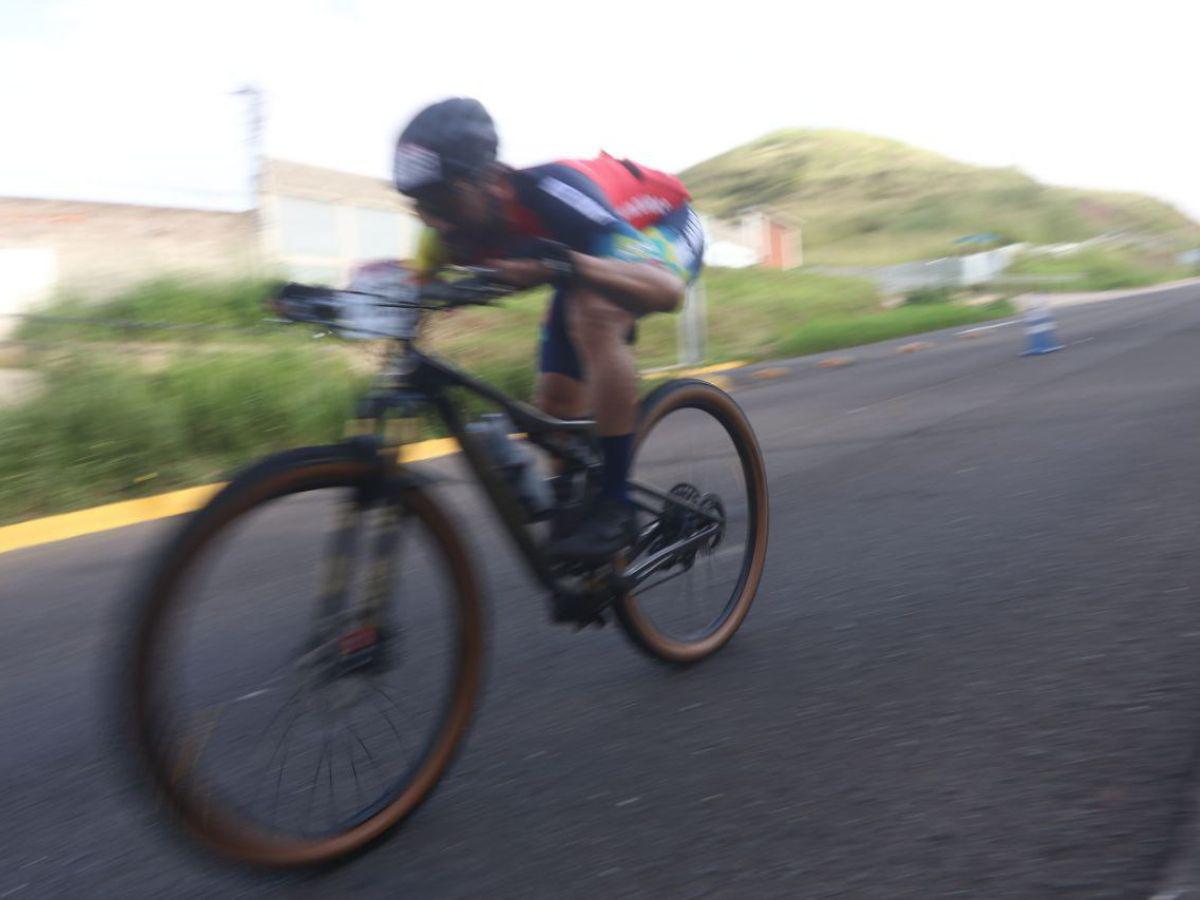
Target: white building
{"type": "Point", "coordinates": [318, 224]}
{"type": "Point", "coordinates": [755, 238]}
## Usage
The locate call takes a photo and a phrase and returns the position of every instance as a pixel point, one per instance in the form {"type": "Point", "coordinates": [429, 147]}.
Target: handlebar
{"type": "Point", "coordinates": [477, 289]}
{"type": "Point", "coordinates": [393, 311]}
{"type": "Point", "coordinates": [384, 299]}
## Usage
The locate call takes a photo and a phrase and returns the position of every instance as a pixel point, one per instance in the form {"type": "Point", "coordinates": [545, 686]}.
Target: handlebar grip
{"type": "Point", "coordinates": [466, 292]}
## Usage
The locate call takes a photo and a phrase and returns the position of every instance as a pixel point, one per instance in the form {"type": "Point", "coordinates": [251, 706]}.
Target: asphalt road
{"type": "Point", "coordinates": [972, 668]}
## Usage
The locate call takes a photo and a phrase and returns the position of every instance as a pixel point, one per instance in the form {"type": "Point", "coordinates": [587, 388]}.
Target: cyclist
{"type": "Point", "coordinates": [624, 242]}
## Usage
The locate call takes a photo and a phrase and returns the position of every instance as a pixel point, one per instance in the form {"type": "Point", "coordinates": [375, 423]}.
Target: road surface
{"type": "Point", "coordinates": [973, 668]}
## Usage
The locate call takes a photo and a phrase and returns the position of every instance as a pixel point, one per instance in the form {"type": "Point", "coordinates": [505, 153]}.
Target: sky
{"type": "Point", "coordinates": [133, 100]}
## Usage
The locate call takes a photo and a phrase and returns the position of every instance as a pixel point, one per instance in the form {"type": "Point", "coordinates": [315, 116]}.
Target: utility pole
{"type": "Point", "coordinates": [255, 124]}
{"type": "Point", "coordinates": [692, 330]}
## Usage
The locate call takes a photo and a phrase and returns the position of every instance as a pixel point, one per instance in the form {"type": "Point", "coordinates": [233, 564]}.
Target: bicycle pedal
{"type": "Point", "coordinates": [579, 609]}
{"type": "Point", "coordinates": [598, 620]}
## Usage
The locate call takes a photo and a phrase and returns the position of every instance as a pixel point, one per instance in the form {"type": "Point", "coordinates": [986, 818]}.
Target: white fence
{"type": "Point", "coordinates": [948, 271]}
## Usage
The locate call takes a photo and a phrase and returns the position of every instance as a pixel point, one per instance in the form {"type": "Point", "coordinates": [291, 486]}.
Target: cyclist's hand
{"type": "Point", "coordinates": [521, 273]}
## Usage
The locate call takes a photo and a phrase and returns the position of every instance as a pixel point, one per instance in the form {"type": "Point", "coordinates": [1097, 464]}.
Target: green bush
{"type": "Point", "coordinates": [929, 295]}
{"type": "Point", "coordinates": [230, 304]}
{"type": "Point", "coordinates": [836, 332]}
{"type": "Point", "coordinates": [109, 426]}
{"type": "Point", "coordinates": [104, 428]}
{"type": "Point", "coordinates": [1095, 269]}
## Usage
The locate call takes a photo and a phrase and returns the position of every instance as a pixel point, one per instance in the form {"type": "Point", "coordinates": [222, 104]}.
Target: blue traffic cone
{"type": "Point", "coordinates": [1039, 332]}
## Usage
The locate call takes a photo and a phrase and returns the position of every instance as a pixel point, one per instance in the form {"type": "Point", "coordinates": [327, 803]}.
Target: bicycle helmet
{"type": "Point", "coordinates": [454, 138]}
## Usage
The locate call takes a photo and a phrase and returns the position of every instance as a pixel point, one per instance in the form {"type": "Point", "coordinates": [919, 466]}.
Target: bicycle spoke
{"type": "Point", "coordinates": [693, 604]}
{"type": "Point", "coordinates": [711, 568]}
{"type": "Point", "coordinates": [390, 699]}
{"type": "Point", "coordinates": [332, 793]}
{"type": "Point", "coordinates": [644, 589]}
{"type": "Point", "coordinates": [286, 731]}
{"type": "Point", "coordinates": [692, 445]}
{"type": "Point", "coordinates": [370, 756]}
{"type": "Point", "coordinates": [275, 718]}
{"type": "Point", "coordinates": [260, 718]}
{"type": "Point", "coordinates": [316, 776]}
{"type": "Point", "coordinates": [279, 784]}
{"type": "Point", "coordinates": [354, 769]}
{"type": "Point", "coordinates": [388, 719]}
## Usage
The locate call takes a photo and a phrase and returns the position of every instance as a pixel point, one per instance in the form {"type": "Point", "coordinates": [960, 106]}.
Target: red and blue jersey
{"type": "Point", "coordinates": [577, 201]}
{"type": "Point", "coordinates": [602, 207]}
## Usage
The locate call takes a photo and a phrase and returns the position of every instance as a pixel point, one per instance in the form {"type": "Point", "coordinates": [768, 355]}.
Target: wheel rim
{"type": "Point", "coordinates": [265, 754]}
{"type": "Point", "coordinates": [695, 441]}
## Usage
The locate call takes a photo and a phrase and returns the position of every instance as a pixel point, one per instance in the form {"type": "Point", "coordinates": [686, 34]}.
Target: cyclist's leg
{"type": "Point", "coordinates": [601, 333]}
{"type": "Point", "coordinates": [560, 389]}
{"type": "Point", "coordinates": [676, 242]}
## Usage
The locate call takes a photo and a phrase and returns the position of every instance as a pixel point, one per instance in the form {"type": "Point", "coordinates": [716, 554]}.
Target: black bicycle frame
{"type": "Point", "coordinates": [432, 378]}
{"type": "Point", "coordinates": [420, 378]}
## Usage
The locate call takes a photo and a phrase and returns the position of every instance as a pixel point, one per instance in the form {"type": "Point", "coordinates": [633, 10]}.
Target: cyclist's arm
{"type": "Point", "coordinates": [578, 215]}
{"type": "Point", "coordinates": [636, 286]}
{"type": "Point", "coordinates": [431, 256]}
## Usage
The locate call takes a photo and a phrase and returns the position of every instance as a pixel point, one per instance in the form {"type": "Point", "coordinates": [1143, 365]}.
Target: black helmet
{"type": "Point", "coordinates": [453, 138]}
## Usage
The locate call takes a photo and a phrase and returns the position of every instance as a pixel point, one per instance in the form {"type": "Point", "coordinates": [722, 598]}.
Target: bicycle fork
{"type": "Point", "coordinates": [358, 636]}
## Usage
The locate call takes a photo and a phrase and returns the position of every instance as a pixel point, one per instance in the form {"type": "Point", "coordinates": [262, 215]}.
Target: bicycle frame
{"type": "Point", "coordinates": [433, 378]}
{"type": "Point", "coordinates": [414, 378]}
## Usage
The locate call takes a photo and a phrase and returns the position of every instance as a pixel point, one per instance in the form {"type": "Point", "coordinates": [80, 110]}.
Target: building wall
{"type": "Point", "coordinates": [754, 239]}
{"type": "Point", "coordinates": [27, 275]}
{"type": "Point", "coordinates": [318, 224]}
{"type": "Point", "coordinates": [98, 248]}
{"type": "Point", "coordinates": [726, 244]}
{"type": "Point", "coordinates": [313, 223]}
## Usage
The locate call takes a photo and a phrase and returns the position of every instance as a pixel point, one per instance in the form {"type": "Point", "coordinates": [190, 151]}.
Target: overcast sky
{"type": "Point", "coordinates": [132, 100]}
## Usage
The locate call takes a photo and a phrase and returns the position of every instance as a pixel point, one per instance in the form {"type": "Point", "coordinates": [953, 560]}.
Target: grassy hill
{"type": "Point", "coordinates": [865, 199]}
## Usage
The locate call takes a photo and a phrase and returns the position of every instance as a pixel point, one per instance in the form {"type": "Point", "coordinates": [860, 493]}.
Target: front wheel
{"type": "Point", "coordinates": [694, 443]}
{"type": "Point", "coordinates": [283, 727]}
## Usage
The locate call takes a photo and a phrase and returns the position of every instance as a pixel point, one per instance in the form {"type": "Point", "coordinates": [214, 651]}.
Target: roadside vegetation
{"type": "Point", "coordinates": [104, 429]}
{"type": "Point", "coordinates": [126, 411]}
{"type": "Point", "coordinates": [1094, 269]}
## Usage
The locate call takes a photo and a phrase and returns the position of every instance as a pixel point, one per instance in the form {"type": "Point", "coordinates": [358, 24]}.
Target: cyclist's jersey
{"type": "Point", "coordinates": [601, 207]}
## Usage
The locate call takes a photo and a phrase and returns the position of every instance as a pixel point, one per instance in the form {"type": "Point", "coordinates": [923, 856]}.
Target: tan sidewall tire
{"type": "Point", "coordinates": [636, 624]}
{"type": "Point", "coordinates": [293, 473]}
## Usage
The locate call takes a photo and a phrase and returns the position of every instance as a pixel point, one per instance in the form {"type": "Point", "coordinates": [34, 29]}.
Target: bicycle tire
{"type": "Point", "coordinates": [640, 628]}
{"type": "Point", "coordinates": [275, 477]}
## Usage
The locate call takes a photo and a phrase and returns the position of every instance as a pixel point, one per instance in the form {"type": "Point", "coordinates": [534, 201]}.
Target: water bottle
{"type": "Point", "coordinates": [515, 461]}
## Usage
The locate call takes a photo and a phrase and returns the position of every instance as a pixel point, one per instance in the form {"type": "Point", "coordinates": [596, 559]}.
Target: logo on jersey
{"type": "Point", "coordinates": [577, 200]}
{"type": "Point", "coordinates": [416, 167]}
{"type": "Point", "coordinates": [644, 205]}
{"type": "Point", "coordinates": [635, 249]}
{"type": "Point", "coordinates": [693, 233]}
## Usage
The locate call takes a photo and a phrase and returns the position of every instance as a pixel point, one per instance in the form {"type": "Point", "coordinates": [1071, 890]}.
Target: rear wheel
{"type": "Point", "coordinates": [279, 734]}
{"type": "Point", "coordinates": [694, 443]}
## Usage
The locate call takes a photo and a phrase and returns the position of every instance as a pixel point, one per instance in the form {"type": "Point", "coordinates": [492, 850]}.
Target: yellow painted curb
{"type": "Point", "coordinates": [103, 518]}
{"type": "Point", "coordinates": [715, 367]}
{"type": "Point", "coordinates": [775, 372]}
{"type": "Point", "coordinates": [693, 373]}
{"type": "Point", "coordinates": [722, 382]}
{"type": "Point", "coordinates": [432, 449]}
{"type": "Point", "coordinates": [161, 506]}
{"type": "Point", "coordinates": [834, 362]}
